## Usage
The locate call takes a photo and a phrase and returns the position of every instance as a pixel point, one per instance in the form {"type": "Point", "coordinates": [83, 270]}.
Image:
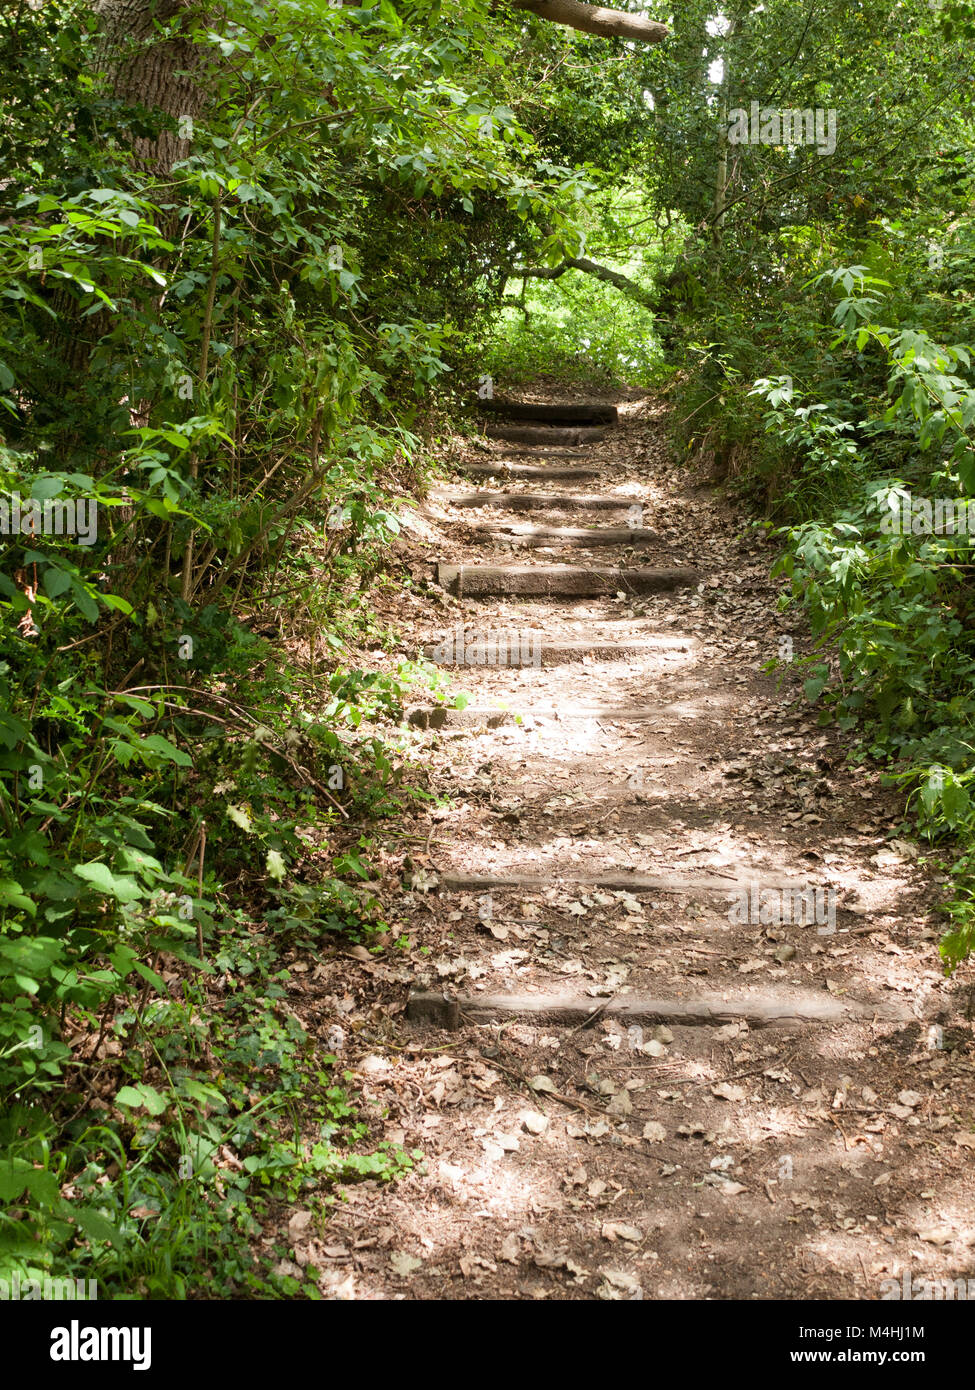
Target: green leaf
{"type": "Point", "coordinates": [142, 706]}
{"type": "Point", "coordinates": [142, 1095]}
{"type": "Point", "coordinates": [84, 601]}
{"type": "Point", "coordinates": [12, 730]}
{"type": "Point", "coordinates": [815, 685]}
{"type": "Point", "coordinates": [955, 801]}
{"type": "Point", "coordinates": [56, 581]}
{"type": "Point", "coordinates": [94, 1225]}
{"type": "Point", "coordinates": [123, 958]}
{"type": "Point", "coordinates": [101, 878]}
{"type": "Point", "coordinates": [12, 895]}
{"type": "Point", "coordinates": [157, 744]}
{"type": "Point", "coordinates": [14, 1174]}
{"type": "Point", "coordinates": [151, 977]}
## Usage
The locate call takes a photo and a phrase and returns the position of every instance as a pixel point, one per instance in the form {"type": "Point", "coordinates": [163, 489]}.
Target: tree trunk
{"type": "Point", "coordinates": [160, 76]}
{"type": "Point", "coordinates": [721, 176]}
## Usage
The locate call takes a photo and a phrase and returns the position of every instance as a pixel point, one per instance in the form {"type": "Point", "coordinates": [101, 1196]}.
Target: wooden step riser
{"type": "Point", "coordinates": [566, 535]}
{"type": "Point", "coordinates": [529, 411]}
{"type": "Point", "coordinates": [539, 501]}
{"type": "Point", "coordinates": [522, 653]}
{"type": "Point", "coordinates": [565, 581]}
{"type": "Point", "coordinates": [547, 435]}
{"type": "Point", "coordinates": [705, 1011]}
{"type": "Point", "coordinates": [526, 470]}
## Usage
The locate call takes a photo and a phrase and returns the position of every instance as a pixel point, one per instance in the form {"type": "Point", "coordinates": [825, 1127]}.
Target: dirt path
{"type": "Point", "coordinates": [631, 1072]}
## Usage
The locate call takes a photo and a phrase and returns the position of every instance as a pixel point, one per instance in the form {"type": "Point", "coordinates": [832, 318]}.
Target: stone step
{"type": "Point", "coordinates": [542, 451]}
{"type": "Point", "coordinates": [575, 581]}
{"type": "Point", "coordinates": [470, 717]}
{"type": "Point", "coordinates": [489, 717]}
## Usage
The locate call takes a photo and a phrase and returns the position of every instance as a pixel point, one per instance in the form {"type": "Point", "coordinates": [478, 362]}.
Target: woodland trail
{"type": "Point", "coordinates": [631, 1072]}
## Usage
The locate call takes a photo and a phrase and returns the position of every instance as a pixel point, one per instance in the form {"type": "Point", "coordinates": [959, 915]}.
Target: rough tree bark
{"type": "Point", "coordinates": [160, 76]}
{"type": "Point", "coordinates": [156, 76]}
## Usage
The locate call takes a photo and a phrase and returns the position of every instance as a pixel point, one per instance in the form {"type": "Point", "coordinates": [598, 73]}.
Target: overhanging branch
{"type": "Point", "coordinates": [601, 272]}
{"type": "Point", "coordinates": [596, 19]}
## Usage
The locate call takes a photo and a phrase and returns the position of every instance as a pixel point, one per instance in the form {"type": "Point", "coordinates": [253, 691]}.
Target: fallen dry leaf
{"type": "Point", "coordinates": [533, 1121]}
{"type": "Point", "coordinates": [298, 1222]}
{"type": "Point", "coordinates": [510, 1249]}
{"type": "Point", "coordinates": [726, 1091]}
{"type": "Point", "coordinates": [543, 1083]}
{"type": "Point", "coordinates": [620, 1106]}
{"type": "Point", "coordinates": [936, 1235]}
{"type": "Point", "coordinates": [619, 1230]}
{"type": "Point", "coordinates": [618, 1285]}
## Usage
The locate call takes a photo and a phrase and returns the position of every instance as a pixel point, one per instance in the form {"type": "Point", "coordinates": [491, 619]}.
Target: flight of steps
{"type": "Point", "coordinates": [627, 559]}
